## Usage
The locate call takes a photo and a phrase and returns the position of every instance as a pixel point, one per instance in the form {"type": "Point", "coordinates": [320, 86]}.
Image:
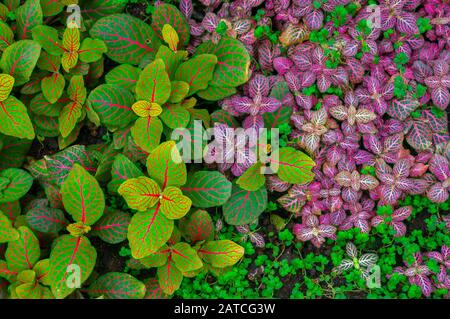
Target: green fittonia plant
{"type": "Point", "coordinates": [50, 87]}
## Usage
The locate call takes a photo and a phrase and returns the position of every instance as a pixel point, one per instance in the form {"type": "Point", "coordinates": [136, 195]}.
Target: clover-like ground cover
{"type": "Point", "coordinates": [93, 202]}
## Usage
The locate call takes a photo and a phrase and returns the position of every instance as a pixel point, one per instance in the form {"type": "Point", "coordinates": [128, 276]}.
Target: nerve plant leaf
{"type": "Point", "coordinates": [207, 189]}
{"type": "Point", "coordinates": [127, 38]}
{"type": "Point", "coordinates": [82, 196]}
{"type": "Point", "coordinates": [7, 232]}
{"type": "Point", "coordinates": [70, 256]}
{"type": "Point", "coordinates": [221, 253]}
{"type": "Point", "coordinates": [14, 184]}
{"type": "Point", "coordinates": [116, 285]}
{"type": "Point", "coordinates": [23, 253]}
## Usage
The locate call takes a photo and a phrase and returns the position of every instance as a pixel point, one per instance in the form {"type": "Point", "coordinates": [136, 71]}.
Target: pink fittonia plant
{"type": "Point", "coordinates": [439, 191]}
{"type": "Point", "coordinates": [417, 273]}
{"type": "Point", "coordinates": [395, 219]}
{"type": "Point", "coordinates": [312, 230]}
{"type": "Point", "coordinates": [439, 84]}
{"type": "Point", "coordinates": [256, 103]}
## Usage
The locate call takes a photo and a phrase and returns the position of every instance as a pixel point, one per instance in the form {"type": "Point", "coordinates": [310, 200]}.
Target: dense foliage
{"type": "Point", "coordinates": [99, 101]}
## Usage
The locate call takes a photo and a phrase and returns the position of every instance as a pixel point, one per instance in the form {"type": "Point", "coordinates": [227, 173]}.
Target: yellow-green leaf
{"type": "Point", "coordinates": [6, 85]}
{"type": "Point", "coordinates": [170, 36]}
{"type": "Point", "coordinates": [174, 205]}
{"type": "Point", "coordinates": [140, 193]}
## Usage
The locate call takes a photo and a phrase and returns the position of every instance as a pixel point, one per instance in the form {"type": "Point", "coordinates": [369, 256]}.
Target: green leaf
{"type": "Point", "coordinates": [128, 39]}
{"type": "Point", "coordinates": [23, 253]}
{"type": "Point", "coordinates": [175, 116]}
{"type": "Point", "coordinates": [154, 83]}
{"type": "Point", "coordinates": [39, 105]}
{"type": "Point", "coordinates": [112, 227]}
{"type": "Point", "coordinates": [244, 206]}
{"type": "Point", "coordinates": [13, 152]}
{"type": "Point", "coordinates": [19, 60]}
{"type": "Point", "coordinates": [157, 259]}
{"type": "Point", "coordinates": [216, 93]}
{"type": "Point", "coordinates": [174, 205]}
{"type": "Point", "coordinates": [180, 90]}
{"type": "Point", "coordinates": [116, 285]}
{"type": "Point", "coordinates": [185, 257]}
{"type": "Point", "coordinates": [48, 38]}
{"type": "Point", "coordinates": [124, 75]}
{"type": "Point", "coordinates": [154, 290]}
{"type": "Point", "coordinates": [11, 209]}
{"type": "Point", "coordinates": [96, 9]}
{"type": "Point", "coordinates": [68, 118]}
{"type": "Point", "coordinates": [7, 37]}
{"type": "Point", "coordinates": [172, 60]}
{"type": "Point", "coordinates": [221, 253]}
{"type": "Point", "coordinates": [91, 50]}
{"type": "Point", "coordinates": [71, 43]}
{"type": "Point", "coordinates": [14, 119]}
{"type": "Point", "coordinates": [169, 277]}
{"type": "Point", "coordinates": [67, 255]}
{"type": "Point", "coordinates": [18, 183]}
{"type": "Point", "coordinates": [148, 232]}
{"type": "Point", "coordinates": [140, 193]}
{"type": "Point", "coordinates": [147, 132]}
{"type": "Point", "coordinates": [169, 14]}
{"type": "Point", "coordinates": [233, 61]}
{"type": "Point", "coordinates": [294, 166]}
{"type": "Point", "coordinates": [165, 166]}
{"type": "Point", "coordinates": [53, 87]}
{"type": "Point", "coordinates": [42, 268]}
{"type": "Point", "coordinates": [7, 232]}
{"type": "Point", "coordinates": [197, 72]}
{"type": "Point", "coordinates": [112, 103]}
{"type": "Point", "coordinates": [51, 7]}
{"type": "Point", "coordinates": [197, 226]}
{"type": "Point", "coordinates": [122, 170]}
{"type": "Point", "coordinates": [60, 164]}
{"type": "Point", "coordinates": [44, 218]}
{"type": "Point", "coordinates": [252, 179]}
{"type": "Point", "coordinates": [82, 196]}
{"type": "Point", "coordinates": [28, 16]}
{"type": "Point", "coordinates": [222, 116]}
{"type": "Point", "coordinates": [207, 189]}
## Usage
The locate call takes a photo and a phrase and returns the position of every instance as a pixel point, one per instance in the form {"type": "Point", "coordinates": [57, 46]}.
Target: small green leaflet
{"type": "Point", "coordinates": [197, 226]}
{"type": "Point", "coordinates": [197, 72]}
{"type": "Point", "coordinates": [7, 232]}
{"type": "Point", "coordinates": [154, 83]}
{"type": "Point", "coordinates": [112, 103]}
{"type": "Point", "coordinates": [67, 252]}
{"type": "Point", "coordinates": [44, 218]}
{"type": "Point", "coordinates": [294, 166]}
{"type": "Point", "coordinates": [233, 61]}
{"type": "Point", "coordinates": [221, 253]}
{"type": "Point", "coordinates": [23, 253]}
{"type": "Point", "coordinates": [116, 285]}
{"type": "Point", "coordinates": [148, 232]}
{"type": "Point", "coordinates": [112, 227]}
{"type": "Point", "coordinates": [185, 257]}
{"type": "Point", "coordinates": [124, 75]}
{"type": "Point", "coordinates": [14, 119]}
{"type": "Point", "coordinates": [175, 116]}
{"type": "Point", "coordinates": [122, 169]}
{"type": "Point", "coordinates": [82, 196]}
{"type": "Point", "coordinates": [140, 193]}
{"type": "Point", "coordinates": [252, 179]}
{"type": "Point", "coordinates": [146, 132]}
{"type": "Point", "coordinates": [165, 166]}
{"type": "Point", "coordinates": [207, 189]}
{"type": "Point", "coordinates": [169, 277]}
{"type": "Point", "coordinates": [244, 206]}
{"type": "Point", "coordinates": [16, 183]}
